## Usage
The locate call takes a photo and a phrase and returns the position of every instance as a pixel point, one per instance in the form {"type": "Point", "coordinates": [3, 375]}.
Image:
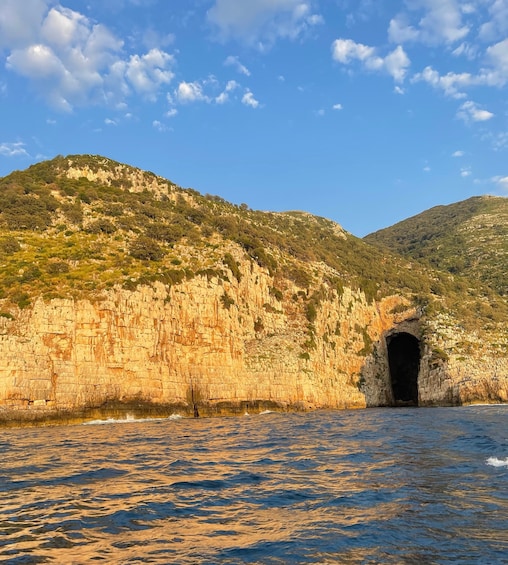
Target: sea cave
{"type": "Point", "coordinates": [404, 363]}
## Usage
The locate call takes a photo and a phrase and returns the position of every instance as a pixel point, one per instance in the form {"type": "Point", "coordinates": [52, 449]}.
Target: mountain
{"type": "Point", "coordinates": [121, 291]}
{"type": "Point", "coordinates": [469, 238]}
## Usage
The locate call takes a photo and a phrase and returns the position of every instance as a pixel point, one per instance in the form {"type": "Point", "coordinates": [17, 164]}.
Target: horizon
{"type": "Point", "coordinates": [359, 112]}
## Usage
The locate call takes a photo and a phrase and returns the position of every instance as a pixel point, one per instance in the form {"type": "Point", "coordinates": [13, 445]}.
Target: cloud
{"type": "Point", "coordinates": [497, 57]}
{"type": "Point", "coordinates": [458, 153]}
{"type": "Point", "coordinates": [500, 141]}
{"type": "Point", "coordinates": [497, 26]}
{"type": "Point", "coordinates": [159, 126]}
{"type": "Point", "coordinates": [494, 73]}
{"type": "Point", "coordinates": [190, 92]}
{"type": "Point", "coordinates": [451, 83]}
{"type": "Point", "coordinates": [249, 100]}
{"type": "Point", "coordinates": [72, 61]}
{"type": "Point", "coordinates": [337, 107]}
{"type": "Point", "coordinates": [346, 50]}
{"type": "Point", "coordinates": [396, 63]}
{"type": "Point", "coordinates": [146, 73]}
{"type": "Point", "coordinates": [223, 97]}
{"type": "Point", "coordinates": [262, 22]}
{"type": "Point", "coordinates": [501, 181]}
{"type": "Point", "coordinates": [429, 21]}
{"type": "Point", "coordinates": [110, 122]}
{"type": "Point", "coordinates": [232, 61]}
{"type": "Point", "coordinates": [465, 172]}
{"type": "Point", "coordinates": [15, 149]}
{"type": "Point", "coordinates": [469, 111]}
{"type": "Point", "coordinates": [20, 22]}
{"type": "Point", "coordinates": [468, 50]}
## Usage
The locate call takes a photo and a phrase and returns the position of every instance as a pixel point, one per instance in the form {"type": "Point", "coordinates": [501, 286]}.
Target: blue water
{"type": "Point", "coordinates": [371, 486]}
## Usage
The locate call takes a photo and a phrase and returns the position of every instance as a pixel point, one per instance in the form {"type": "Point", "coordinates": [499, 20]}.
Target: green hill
{"type": "Point", "coordinates": [78, 225]}
{"type": "Point", "coordinates": [469, 238]}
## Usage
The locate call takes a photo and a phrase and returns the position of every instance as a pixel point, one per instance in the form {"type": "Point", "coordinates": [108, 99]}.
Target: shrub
{"type": "Point", "coordinates": [170, 233]}
{"type": "Point", "coordinates": [101, 226]}
{"type": "Point", "coordinates": [258, 325]}
{"type": "Point", "coordinates": [276, 293]}
{"type": "Point", "coordinates": [57, 267]}
{"type": "Point", "coordinates": [227, 301]}
{"type": "Point", "coordinates": [9, 245]}
{"type": "Point", "coordinates": [232, 265]}
{"type": "Point", "coordinates": [146, 249]}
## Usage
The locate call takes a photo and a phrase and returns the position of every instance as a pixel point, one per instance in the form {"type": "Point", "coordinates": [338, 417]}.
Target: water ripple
{"type": "Point", "coordinates": [374, 486]}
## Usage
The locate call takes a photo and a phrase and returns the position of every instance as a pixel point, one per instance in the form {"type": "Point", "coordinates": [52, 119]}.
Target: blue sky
{"type": "Point", "coordinates": [362, 111]}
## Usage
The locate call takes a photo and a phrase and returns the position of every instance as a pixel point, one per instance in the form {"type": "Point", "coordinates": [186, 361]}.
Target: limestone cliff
{"type": "Point", "coordinates": [137, 294]}
{"type": "Point", "coordinates": [185, 347]}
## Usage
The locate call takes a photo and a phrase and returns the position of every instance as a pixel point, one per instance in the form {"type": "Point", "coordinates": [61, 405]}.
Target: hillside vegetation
{"type": "Point", "coordinates": [78, 225]}
{"type": "Point", "coordinates": [469, 238]}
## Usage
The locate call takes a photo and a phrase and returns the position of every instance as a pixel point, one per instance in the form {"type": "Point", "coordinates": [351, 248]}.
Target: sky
{"type": "Point", "coordinates": [362, 111]}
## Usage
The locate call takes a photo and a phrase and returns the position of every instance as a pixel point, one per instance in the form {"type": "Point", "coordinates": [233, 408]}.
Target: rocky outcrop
{"type": "Point", "coordinates": [216, 346]}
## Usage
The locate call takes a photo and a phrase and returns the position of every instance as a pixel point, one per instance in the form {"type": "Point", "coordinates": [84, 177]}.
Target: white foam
{"type": "Point", "coordinates": [496, 462]}
{"type": "Point", "coordinates": [129, 419]}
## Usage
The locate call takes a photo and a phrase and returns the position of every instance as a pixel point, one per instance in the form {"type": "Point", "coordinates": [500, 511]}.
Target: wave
{"type": "Point", "coordinates": [496, 462]}
{"type": "Point", "coordinates": [129, 419]}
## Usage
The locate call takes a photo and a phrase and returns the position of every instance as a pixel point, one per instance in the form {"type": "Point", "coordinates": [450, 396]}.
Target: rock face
{"type": "Point", "coordinates": [213, 346]}
{"type": "Point", "coordinates": [121, 291]}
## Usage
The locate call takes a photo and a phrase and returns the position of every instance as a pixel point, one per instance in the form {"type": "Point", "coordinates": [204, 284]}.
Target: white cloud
{"type": "Point", "coordinates": [430, 21]}
{"type": "Point", "coordinates": [15, 149]}
{"type": "Point", "coordinates": [72, 61]}
{"type": "Point", "coordinates": [148, 72]}
{"type": "Point", "coordinates": [262, 22]}
{"type": "Point", "coordinates": [451, 83]}
{"type": "Point", "coordinates": [171, 113]}
{"type": "Point", "coordinates": [346, 50]}
{"type": "Point", "coordinates": [469, 111]}
{"type": "Point", "coordinates": [458, 153]}
{"type": "Point", "coordinates": [426, 169]}
{"type": "Point", "coordinates": [232, 61]}
{"type": "Point", "coordinates": [20, 22]}
{"type": "Point", "coordinates": [396, 63]}
{"type": "Point", "coordinates": [400, 31]}
{"type": "Point", "coordinates": [190, 92]}
{"type": "Point", "coordinates": [497, 57]}
{"type": "Point", "coordinates": [110, 122]}
{"type": "Point", "coordinates": [494, 73]}
{"type": "Point", "coordinates": [497, 26]}
{"type": "Point", "coordinates": [468, 50]}
{"type": "Point", "coordinates": [465, 172]}
{"type": "Point", "coordinates": [501, 181]}
{"type": "Point", "coordinates": [399, 90]}
{"type": "Point", "coordinates": [249, 100]}
{"type": "Point", "coordinates": [500, 141]}
{"type": "Point", "coordinates": [337, 107]}
{"type": "Point", "coordinates": [159, 126]}
{"type": "Point", "coordinates": [223, 97]}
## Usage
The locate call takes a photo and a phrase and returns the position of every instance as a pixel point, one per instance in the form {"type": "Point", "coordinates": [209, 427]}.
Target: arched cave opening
{"type": "Point", "coordinates": [404, 363]}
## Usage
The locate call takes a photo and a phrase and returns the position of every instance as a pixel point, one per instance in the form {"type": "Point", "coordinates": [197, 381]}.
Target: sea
{"type": "Point", "coordinates": [384, 485]}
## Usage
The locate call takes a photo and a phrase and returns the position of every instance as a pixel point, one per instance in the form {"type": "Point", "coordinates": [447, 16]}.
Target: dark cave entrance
{"type": "Point", "coordinates": [404, 363]}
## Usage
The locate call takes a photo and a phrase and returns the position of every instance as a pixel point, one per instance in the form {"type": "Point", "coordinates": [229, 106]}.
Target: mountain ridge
{"type": "Point", "coordinates": [120, 288]}
{"type": "Point", "coordinates": [469, 238]}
